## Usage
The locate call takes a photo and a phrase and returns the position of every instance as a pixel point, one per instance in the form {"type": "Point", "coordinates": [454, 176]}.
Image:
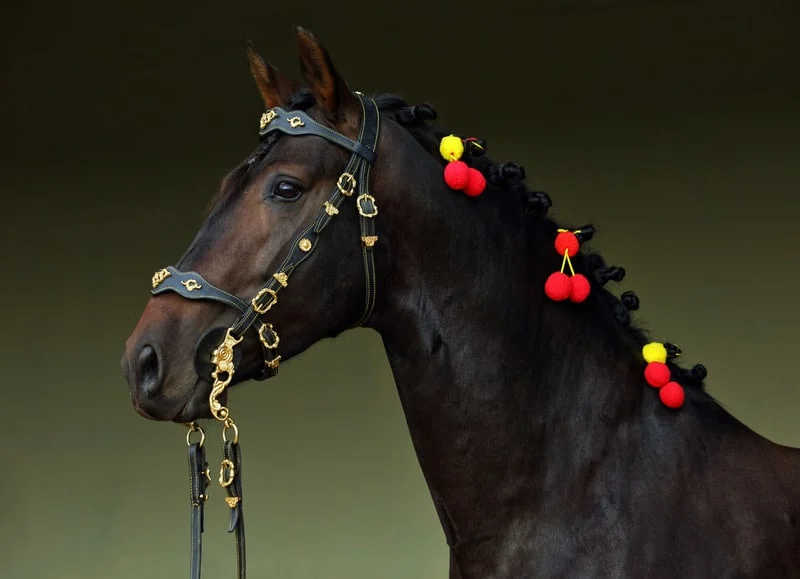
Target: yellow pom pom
{"type": "Point", "coordinates": [451, 148]}
{"type": "Point", "coordinates": [654, 352]}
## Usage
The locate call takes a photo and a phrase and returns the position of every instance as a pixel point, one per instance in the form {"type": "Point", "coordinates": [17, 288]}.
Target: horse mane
{"type": "Point", "coordinates": [509, 179]}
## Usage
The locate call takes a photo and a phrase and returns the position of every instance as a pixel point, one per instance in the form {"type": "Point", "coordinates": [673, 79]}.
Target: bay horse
{"type": "Point", "coordinates": [557, 439]}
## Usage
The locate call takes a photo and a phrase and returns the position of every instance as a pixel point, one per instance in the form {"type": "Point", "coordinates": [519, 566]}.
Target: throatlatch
{"type": "Point", "coordinates": [193, 286]}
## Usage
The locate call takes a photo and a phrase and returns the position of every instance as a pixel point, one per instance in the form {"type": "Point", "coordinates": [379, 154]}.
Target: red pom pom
{"type": "Point", "coordinates": [558, 286]}
{"type": "Point", "coordinates": [657, 374]}
{"type": "Point", "coordinates": [456, 175]}
{"type": "Point", "coordinates": [566, 240]}
{"type": "Point", "coordinates": [476, 183]}
{"type": "Point", "coordinates": [672, 395]}
{"type": "Point", "coordinates": [580, 288]}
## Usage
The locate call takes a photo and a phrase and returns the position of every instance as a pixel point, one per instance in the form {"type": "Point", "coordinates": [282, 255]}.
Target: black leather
{"type": "Point", "coordinates": [232, 452]}
{"type": "Point", "coordinates": [180, 282]}
{"type": "Point", "coordinates": [312, 127]}
{"type": "Point", "coordinates": [198, 474]}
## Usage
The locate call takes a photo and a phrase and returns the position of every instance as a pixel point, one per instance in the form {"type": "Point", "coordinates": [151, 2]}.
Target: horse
{"type": "Point", "coordinates": [556, 438]}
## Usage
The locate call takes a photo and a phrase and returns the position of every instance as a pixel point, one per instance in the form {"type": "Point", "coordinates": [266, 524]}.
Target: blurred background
{"type": "Point", "coordinates": [672, 125]}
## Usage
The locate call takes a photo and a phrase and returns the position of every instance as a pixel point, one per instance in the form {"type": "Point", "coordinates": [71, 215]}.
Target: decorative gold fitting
{"type": "Point", "coordinates": [233, 501]}
{"type": "Point", "coordinates": [282, 278]}
{"type": "Point", "coordinates": [226, 481]}
{"type": "Point", "coordinates": [366, 199]}
{"type": "Point", "coordinates": [305, 244]}
{"type": "Point", "coordinates": [295, 122]}
{"type": "Point", "coordinates": [191, 285]}
{"type": "Point", "coordinates": [194, 427]}
{"type": "Point", "coordinates": [274, 363]}
{"type": "Point", "coordinates": [369, 240]}
{"type": "Point", "coordinates": [222, 358]}
{"type": "Point", "coordinates": [346, 184]}
{"type": "Point", "coordinates": [227, 425]}
{"type": "Point", "coordinates": [262, 335]}
{"type": "Point", "coordinates": [267, 118]}
{"type": "Point", "coordinates": [330, 209]}
{"type": "Point", "coordinates": [159, 277]}
{"type": "Point", "coordinates": [264, 308]}
{"type": "Point", "coordinates": [208, 474]}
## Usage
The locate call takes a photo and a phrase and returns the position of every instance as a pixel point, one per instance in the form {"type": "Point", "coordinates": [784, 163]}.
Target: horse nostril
{"type": "Point", "coordinates": [147, 371]}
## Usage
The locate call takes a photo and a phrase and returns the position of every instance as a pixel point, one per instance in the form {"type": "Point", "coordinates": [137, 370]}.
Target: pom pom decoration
{"type": "Point", "coordinates": [451, 148]}
{"type": "Point", "coordinates": [654, 352]}
{"type": "Point", "coordinates": [672, 395]}
{"type": "Point", "coordinates": [457, 174]}
{"type": "Point", "coordinates": [476, 183]}
{"type": "Point", "coordinates": [580, 288]}
{"type": "Point", "coordinates": [559, 286]}
{"type": "Point", "coordinates": [657, 374]}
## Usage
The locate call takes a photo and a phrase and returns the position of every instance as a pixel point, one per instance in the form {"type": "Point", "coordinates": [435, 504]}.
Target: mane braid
{"type": "Point", "coordinates": [510, 178]}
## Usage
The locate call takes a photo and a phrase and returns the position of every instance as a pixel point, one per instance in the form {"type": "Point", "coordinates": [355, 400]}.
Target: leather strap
{"type": "Point", "coordinates": [194, 286]}
{"type": "Point", "coordinates": [299, 123]}
{"type": "Point", "coordinates": [199, 478]}
{"type": "Point", "coordinates": [232, 475]}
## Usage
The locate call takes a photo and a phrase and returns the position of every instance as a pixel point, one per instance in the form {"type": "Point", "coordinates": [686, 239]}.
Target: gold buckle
{"type": "Point", "coordinates": [370, 199]}
{"type": "Point", "coordinates": [223, 480]}
{"type": "Point", "coordinates": [263, 309]}
{"type": "Point", "coordinates": [346, 184]}
{"type": "Point", "coordinates": [262, 335]}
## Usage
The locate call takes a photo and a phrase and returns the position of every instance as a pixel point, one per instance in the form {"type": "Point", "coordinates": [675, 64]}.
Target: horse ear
{"type": "Point", "coordinates": [331, 92]}
{"type": "Point", "coordinates": [276, 89]}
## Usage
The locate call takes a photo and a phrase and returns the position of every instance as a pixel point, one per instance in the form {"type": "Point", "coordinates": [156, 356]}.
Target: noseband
{"type": "Point", "coordinates": [193, 286]}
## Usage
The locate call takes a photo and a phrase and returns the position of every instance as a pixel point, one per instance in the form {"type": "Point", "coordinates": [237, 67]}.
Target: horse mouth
{"type": "Point", "coordinates": [195, 406]}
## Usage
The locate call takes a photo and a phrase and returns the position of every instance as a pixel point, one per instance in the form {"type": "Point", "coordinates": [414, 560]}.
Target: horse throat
{"type": "Point", "coordinates": [496, 391]}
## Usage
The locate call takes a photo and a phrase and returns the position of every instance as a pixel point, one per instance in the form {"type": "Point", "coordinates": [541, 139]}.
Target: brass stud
{"type": "Point", "coordinates": [295, 122]}
{"type": "Point", "coordinates": [330, 209]}
{"type": "Point", "coordinates": [267, 118]}
{"type": "Point", "coordinates": [191, 285]}
{"type": "Point", "coordinates": [159, 277]}
{"type": "Point", "coordinates": [305, 244]}
{"type": "Point", "coordinates": [282, 278]}
{"type": "Point", "coordinates": [369, 240]}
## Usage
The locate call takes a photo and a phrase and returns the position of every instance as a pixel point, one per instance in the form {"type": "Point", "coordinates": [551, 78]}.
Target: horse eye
{"type": "Point", "coordinates": [287, 191]}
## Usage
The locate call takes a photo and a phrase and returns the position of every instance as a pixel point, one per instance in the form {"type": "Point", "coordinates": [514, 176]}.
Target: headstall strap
{"type": "Point", "coordinates": [354, 180]}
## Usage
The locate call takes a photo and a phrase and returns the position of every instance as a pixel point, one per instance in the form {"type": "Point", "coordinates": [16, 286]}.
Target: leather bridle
{"type": "Point", "coordinates": [191, 285]}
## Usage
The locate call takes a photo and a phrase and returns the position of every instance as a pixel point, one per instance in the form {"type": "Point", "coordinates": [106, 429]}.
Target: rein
{"type": "Point", "coordinates": [193, 286]}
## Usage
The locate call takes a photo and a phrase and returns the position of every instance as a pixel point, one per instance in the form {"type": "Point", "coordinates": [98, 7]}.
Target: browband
{"type": "Point", "coordinates": [299, 123]}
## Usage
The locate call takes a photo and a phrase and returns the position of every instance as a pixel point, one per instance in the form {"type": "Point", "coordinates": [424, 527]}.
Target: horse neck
{"type": "Point", "coordinates": [510, 399]}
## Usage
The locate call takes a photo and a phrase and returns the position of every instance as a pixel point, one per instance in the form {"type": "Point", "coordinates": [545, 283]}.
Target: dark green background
{"type": "Point", "coordinates": [673, 126]}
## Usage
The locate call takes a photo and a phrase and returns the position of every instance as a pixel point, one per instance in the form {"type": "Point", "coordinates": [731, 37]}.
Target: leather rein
{"type": "Point", "coordinates": [224, 359]}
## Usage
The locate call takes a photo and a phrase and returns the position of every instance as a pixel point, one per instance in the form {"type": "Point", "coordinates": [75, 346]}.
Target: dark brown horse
{"type": "Point", "coordinates": [547, 436]}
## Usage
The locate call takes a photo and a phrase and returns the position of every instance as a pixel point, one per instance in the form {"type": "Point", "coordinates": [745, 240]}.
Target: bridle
{"type": "Point", "coordinates": [193, 286]}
